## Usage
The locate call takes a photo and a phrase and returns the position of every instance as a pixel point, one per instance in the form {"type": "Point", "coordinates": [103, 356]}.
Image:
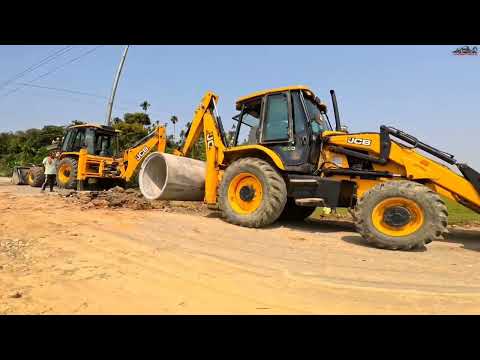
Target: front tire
{"type": "Point", "coordinates": [401, 215]}
{"type": "Point", "coordinates": [67, 173]}
{"type": "Point", "coordinates": [252, 193]}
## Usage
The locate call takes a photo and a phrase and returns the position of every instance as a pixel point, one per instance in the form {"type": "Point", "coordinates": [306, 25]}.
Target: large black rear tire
{"type": "Point", "coordinates": [67, 173]}
{"type": "Point", "coordinates": [36, 176]}
{"type": "Point", "coordinates": [252, 193]}
{"type": "Point", "coordinates": [401, 215]}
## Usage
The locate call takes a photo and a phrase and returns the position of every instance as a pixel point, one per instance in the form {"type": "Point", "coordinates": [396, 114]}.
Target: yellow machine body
{"type": "Point", "coordinates": [403, 162]}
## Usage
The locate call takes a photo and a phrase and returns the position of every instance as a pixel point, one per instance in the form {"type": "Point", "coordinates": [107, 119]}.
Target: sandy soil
{"type": "Point", "coordinates": [56, 257]}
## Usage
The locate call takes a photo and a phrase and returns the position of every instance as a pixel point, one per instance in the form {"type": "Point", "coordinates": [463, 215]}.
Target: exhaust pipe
{"type": "Point", "coordinates": [168, 177]}
{"type": "Point", "coordinates": [338, 125]}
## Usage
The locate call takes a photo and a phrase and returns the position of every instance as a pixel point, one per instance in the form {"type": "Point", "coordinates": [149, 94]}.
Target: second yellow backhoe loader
{"type": "Point", "coordinates": [89, 154]}
{"type": "Point", "coordinates": [286, 159]}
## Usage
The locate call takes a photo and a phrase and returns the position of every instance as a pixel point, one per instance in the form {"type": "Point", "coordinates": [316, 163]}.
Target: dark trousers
{"type": "Point", "coordinates": [50, 180]}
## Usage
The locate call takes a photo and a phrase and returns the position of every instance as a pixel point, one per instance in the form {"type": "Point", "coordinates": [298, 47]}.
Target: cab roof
{"type": "Point", "coordinates": [271, 91]}
{"type": "Point", "coordinates": [102, 127]}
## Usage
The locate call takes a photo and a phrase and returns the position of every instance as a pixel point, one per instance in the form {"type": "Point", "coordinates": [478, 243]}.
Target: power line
{"type": "Point", "coordinates": [50, 58]}
{"type": "Point", "coordinates": [65, 64]}
{"type": "Point", "coordinates": [127, 106]}
{"type": "Point", "coordinates": [63, 90]}
{"type": "Point", "coordinates": [35, 66]}
{"type": "Point", "coordinates": [83, 93]}
{"type": "Point", "coordinates": [53, 70]}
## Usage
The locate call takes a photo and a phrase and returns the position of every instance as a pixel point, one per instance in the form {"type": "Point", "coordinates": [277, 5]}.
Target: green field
{"type": "Point", "coordinates": [457, 214]}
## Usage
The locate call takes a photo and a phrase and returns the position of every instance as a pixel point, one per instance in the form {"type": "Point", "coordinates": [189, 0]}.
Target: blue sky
{"type": "Point", "coordinates": [424, 90]}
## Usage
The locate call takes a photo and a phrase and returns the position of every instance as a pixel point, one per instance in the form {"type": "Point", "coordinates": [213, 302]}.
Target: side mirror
{"type": "Point", "coordinates": [344, 128]}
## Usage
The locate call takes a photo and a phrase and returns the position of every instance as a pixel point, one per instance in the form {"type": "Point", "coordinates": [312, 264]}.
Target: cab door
{"type": "Point", "coordinates": [285, 131]}
{"type": "Point", "coordinates": [317, 124]}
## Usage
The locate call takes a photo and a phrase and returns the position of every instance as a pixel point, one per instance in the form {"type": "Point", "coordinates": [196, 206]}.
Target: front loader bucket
{"type": "Point", "coordinates": [471, 175]}
{"type": "Point", "coordinates": [20, 174]}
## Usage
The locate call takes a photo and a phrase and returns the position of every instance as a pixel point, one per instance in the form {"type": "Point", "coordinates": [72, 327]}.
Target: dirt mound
{"type": "Point", "coordinates": [118, 197]}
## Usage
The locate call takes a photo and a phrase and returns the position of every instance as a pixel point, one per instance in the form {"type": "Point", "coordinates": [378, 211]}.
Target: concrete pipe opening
{"type": "Point", "coordinates": [169, 177]}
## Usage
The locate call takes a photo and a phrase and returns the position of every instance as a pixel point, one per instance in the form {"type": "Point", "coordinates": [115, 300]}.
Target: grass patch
{"type": "Point", "coordinates": [341, 213]}
{"type": "Point", "coordinates": [457, 214]}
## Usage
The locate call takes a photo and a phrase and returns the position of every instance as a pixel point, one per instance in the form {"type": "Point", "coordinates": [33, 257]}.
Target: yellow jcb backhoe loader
{"type": "Point", "coordinates": [286, 159]}
{"type": "Point", "coordinates": [89, 153]}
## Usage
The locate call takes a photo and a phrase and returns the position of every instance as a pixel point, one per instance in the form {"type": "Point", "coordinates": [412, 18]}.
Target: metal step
{"type": "Point", "coordinates": [310, 202]}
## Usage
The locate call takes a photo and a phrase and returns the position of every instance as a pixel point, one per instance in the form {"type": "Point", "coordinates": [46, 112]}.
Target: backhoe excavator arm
{"type": "Point", "coordinates": [205, 120]}
{"type": "Point", "coordinates": [134, 156]}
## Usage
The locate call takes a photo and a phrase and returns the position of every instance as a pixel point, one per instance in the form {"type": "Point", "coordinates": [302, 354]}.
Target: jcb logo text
{"type": "Point", "coordinates": [210, 141]}
{"type": "Point", "coordinates": [358, 141]}
{"type": "Point", "coordinates": [141, 153]}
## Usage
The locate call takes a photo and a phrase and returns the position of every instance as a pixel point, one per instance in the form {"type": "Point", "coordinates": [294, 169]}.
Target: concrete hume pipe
{"type": "Point", "coordinates": [169, 177]}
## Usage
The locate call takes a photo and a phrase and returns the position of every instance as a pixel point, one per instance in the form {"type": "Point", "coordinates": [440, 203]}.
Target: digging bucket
{"type": "Point", "coordinates": [169, 177]}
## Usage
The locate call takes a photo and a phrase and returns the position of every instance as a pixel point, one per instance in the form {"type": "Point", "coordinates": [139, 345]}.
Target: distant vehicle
{"type": "Point", "coordinates": [465, 50]}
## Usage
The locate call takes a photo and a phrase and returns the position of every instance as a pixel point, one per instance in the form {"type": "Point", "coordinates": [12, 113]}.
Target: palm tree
{"type": "Point", "coordinates": [145, 105]}
{"type": "Point", "coordinates": [174, 120]}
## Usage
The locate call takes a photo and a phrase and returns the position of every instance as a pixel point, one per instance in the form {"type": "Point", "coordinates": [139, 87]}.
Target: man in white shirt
{"type": "Point", "coordinates": [50, 165]}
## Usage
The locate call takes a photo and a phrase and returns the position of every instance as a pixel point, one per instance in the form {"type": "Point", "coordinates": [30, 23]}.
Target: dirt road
{"type": "Point", "coordinates": [58, 258]}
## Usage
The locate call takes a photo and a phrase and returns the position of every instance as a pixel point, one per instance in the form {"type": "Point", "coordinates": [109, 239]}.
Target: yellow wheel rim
{"type": "Point", "coordinates": [381, 212]}
{"type": "Point", "coordinates": [245, 193]}
{"type": "Point", "coordinates": [64, 173]}
{"type": "Point", "coordinates": [30, 178]}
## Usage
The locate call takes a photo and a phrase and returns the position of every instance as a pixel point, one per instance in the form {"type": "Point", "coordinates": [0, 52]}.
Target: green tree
{"type": "Point", "coordinates": [132, 128]}
{"type": "Point", "coordinates": [174, 120]}
{"type": "Point", "coordinates": [145, 105]}
{"type": "Point", "coordinates": [230, 136]}
{"type": "Point", "coordinates": [26, 147]}
{"type": "Point", "coordinates": [137, 118]}
{"type": "Point", "coordinates": [198, 148]}
{"type": "Point", "coordinates": [77, 122]}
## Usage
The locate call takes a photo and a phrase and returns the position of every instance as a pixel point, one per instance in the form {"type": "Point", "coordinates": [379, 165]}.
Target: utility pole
{"type": "Point", "coordinates": [114, 89]}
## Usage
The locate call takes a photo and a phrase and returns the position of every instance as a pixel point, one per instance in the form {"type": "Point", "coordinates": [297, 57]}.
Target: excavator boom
{"type": "Point", "coordinates": [155, 141]}
{"type": "Point", "coordinates": [205, 121]}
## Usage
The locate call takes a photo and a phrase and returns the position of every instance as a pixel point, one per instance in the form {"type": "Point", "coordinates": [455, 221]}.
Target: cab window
{"type": "Point", "coordinates": [276, 118]}
{"type": "Point", "coordinates": [79, 141]}
{"type": "Point", "coordinates": [104, 145]}
{"type": "Point", "coordinates": [68, 140]}
{"type": "Point", "coordinates": [249, 124]}
{"type": "Point", "coordinates": [299, 118]}
{"type": "Point", "coordinates": [317, 120]}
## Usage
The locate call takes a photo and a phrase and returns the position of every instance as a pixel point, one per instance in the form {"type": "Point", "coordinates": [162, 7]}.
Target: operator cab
{"type": "Point", "coordinates": [99, 140]}
{"type": "Point", "coordinates": [289, 121]}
